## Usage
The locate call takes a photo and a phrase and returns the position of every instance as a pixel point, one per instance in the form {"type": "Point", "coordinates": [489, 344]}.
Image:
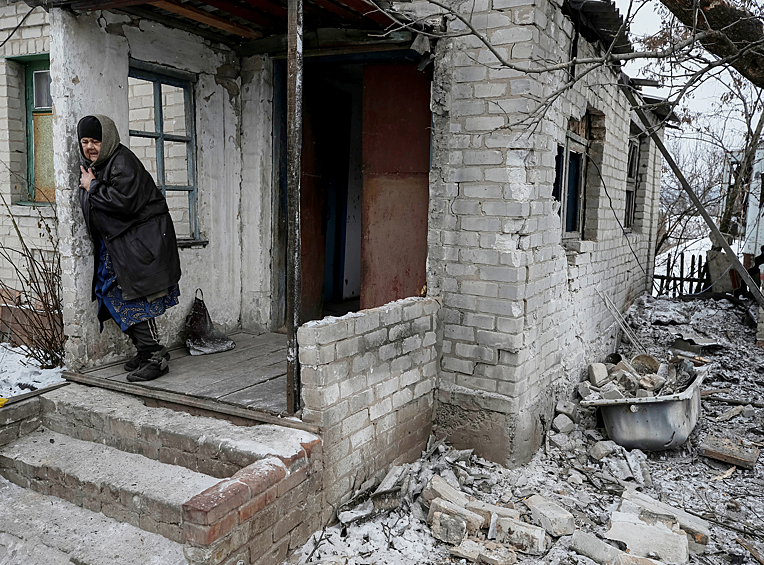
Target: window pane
{"type": "Point", "coordinates": [629, 219]}
{"type": "Point", "coordinates": [44, 182]}
{"type": "Point", "coordinates": [633, 160]}
{"type": "Point", "coordinates": [176, 163]}
{"type": "Point", "coordinates": [141, 104]}
{"type": "Point", "coordinates": [177, 202]}
{"type": "Point", "coordinates": [42, 98]}
{"type": "Point", "coordinates": [572, 199]}
{"type": "Point", "coordinates": [173, 110]}
{"type": "Point", "coordinates": [558, 167]}
{"type": "Point", "coordinates": [145, 149]}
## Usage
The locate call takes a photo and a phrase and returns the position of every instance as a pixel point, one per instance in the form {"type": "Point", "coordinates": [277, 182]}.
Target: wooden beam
{"type": "Point", "coordinates": [338, 10]}
{"type": "Point", "coordinates": [109, 5]}
{"type": "Point", "coordinates": [204, 17]}
{"type": "Point", "coordinates": [329, 39]}
{"type": "Point", "coordinates": [243, 13]}
{"type": "Point", "coordinates": [177, 23]}
{"type": "Point", "coordinates": [190, 401]}
{"type": "Point", "coordinates": [294, 171]}
{"type": "Point", "coordinates": [268, 6]}
{"type": "Point", "coordinates": [32, 394]}
{"type": "Point", "coordinates": [368, 11]}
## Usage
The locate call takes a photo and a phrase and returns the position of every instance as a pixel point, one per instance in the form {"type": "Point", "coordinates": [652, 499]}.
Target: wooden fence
{"type": "Point", "coordinates": [693, 280]}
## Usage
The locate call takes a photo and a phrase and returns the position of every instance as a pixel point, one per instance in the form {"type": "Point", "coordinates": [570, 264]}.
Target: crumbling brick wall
{"type": "Point", "coordinates": [521, 316]}
{"type": "Point", "coordinates": [368, 381]}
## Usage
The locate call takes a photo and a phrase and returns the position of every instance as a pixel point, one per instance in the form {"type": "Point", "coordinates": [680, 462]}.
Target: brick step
{"type": "Point", "coordinates": [211, 446]}
{"type": "Point", "coordinates": [124, 486]}
{"type": "Point", "coordinates": [38, 529]}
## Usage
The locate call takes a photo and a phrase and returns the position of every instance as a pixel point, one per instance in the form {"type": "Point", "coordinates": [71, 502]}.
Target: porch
{"type": "Point", "coordinates": [248, 381]}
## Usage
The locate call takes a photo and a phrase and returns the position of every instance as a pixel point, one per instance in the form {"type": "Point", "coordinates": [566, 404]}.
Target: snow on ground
{"type": "Point", "coordinates": [563, 470]}
{"type": "Point", "coordinates": [19, 375]}
{"type": "Point", "coordinates": [696, 247]}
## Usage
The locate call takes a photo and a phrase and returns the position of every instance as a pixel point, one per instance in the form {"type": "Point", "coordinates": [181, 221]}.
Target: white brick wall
{"type": "Point", "coordinates": [368, 381]}
{"type": "Point", "coordinates": [30, 39]}
{"type": "Point", "coordinates": [521, 316]}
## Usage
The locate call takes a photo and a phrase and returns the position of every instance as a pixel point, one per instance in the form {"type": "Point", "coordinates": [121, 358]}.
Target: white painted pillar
{"type": "Point", "coordinates": [89, 76]}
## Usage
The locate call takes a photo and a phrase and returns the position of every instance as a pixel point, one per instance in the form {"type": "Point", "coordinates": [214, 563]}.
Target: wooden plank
{"type": "Point", "coordinates": [369, 11]}
{"type": "Point", "coordinates": [104, 5]}
{"type": "Point", "coordinates": [181, 360]}
{"type": "Point", "coordinates": [244, 13]}
{"type": "Point", "coordinates": [725, 450]}
{"type": "Point", "coordinates": [194, 378]}
{"type": "Point", "coordinates": [269, 7]}
{"type": "Point", "coordinates": [31, 394]}
{"type": "Point", "coordinates": [201, 403]}
{"type": "Point", "coordinates": [268, 395]}
{"type": "Point", "coordinates": [246, 378]}
{"type": "Point", "coordinates": [206, 18]}
{"type": "Point", "coordinates": [294, 170]}
{"type": "Point", "coordinates": [177, 23]}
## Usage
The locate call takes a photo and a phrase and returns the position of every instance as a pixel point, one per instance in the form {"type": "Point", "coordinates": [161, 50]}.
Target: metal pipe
{"type": "Point", "coordinates": [294, 169]}
{"type": "Point", "coordinates": [736, 264]}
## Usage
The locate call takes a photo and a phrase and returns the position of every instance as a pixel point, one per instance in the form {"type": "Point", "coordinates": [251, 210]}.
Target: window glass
{"type": "Point", "coordinates": [173, 110]}
{"type": "Point", "coordinates": [42, 98]}
{"type": "Point", "coordinates": [162, 136]}
{"type": "Point", "coordinates": [573, 196]}
{"type": "Point", "coordinates": [175, 163]}
{"type": "Point", "coordinates": [141, 104]}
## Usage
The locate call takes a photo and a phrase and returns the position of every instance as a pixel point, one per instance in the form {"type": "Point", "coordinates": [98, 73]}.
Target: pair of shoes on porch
{"type": "Point", "coordinates": [149, 369]}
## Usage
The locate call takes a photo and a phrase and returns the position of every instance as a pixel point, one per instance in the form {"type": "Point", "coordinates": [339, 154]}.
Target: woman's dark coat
{"type": "Point", "coordinates": [125, 208]}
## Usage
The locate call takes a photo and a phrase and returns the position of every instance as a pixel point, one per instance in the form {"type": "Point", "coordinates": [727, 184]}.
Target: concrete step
{"type": "Point", "coordinates": [125, 486]}
{"type": "Point", "coordinates": [212, 446]}
{"type": "Point", "coordinates": [37, 529]}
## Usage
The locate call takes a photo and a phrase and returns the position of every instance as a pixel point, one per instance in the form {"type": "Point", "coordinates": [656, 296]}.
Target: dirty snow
{"type": "Point", "coordinates": [19, 375]}
{"type": "Point", "coordinates": [732, 501]}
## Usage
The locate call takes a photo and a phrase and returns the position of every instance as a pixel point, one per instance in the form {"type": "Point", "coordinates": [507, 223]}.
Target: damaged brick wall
{"type": "Point", "coordinates": [368, 381]}
{"type": "Point", "coordinates": [521, 317]}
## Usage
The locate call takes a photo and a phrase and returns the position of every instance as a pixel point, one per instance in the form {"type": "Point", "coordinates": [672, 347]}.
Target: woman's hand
{"type": "Point", "coordinates": [86, 178]}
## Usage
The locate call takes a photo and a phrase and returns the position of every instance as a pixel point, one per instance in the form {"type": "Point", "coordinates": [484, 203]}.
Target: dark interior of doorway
{"type": "Point", "coordinates": [330, 188]}
{"type": "Point", "coordinates": [331, 182]}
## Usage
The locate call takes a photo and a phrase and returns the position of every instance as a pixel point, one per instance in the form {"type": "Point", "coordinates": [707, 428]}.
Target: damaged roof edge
{"type": "Point", "coordinates": [601, 21]}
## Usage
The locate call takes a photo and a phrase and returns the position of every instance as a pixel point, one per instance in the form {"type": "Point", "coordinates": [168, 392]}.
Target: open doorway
{"type": "Point", "coordinates": [364, 182]}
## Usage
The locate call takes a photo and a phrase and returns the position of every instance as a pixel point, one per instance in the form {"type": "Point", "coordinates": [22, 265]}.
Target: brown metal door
{"type": "Point", "coordinates": [312, 201]}
{"type": "Point", "coordinates": [396, 165]}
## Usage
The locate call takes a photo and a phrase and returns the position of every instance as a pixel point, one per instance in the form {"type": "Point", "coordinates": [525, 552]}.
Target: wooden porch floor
{"type": "Point", "coordinates": [252, 375]}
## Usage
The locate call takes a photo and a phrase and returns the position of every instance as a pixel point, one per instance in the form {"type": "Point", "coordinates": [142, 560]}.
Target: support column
{"type": "Point", "coordinates": [294, 154]}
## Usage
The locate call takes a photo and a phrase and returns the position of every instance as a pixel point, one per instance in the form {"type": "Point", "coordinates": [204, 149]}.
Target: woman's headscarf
{"type": "Point", "coordinates": [109, 136]}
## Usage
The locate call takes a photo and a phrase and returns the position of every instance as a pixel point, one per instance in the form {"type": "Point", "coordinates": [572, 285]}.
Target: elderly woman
{"type": "Point", "coordinates": [136, 263]}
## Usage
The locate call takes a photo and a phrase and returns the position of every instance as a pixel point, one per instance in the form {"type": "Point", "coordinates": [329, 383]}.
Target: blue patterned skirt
{"type": "Point", "coordinates": [126, 312]}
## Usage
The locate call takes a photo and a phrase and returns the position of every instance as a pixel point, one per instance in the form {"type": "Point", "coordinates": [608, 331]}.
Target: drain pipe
{"type": "Point", "coordinates": [736, 264]}
{"type": "Point", "coordinates": [294, 169]}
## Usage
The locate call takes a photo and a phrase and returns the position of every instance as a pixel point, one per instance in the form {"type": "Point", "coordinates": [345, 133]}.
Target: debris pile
{"type": "Point", "coordinates": [643, 377]}
{"type": "Point", "coordinates": [584, 498]}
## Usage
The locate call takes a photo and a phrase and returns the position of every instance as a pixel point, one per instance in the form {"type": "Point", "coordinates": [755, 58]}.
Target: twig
{"type": "Point", "coordinates": [752, 550]}
{"type": "Point", "coordinates": [728, 526]}
{"type": "Point", "coordinates": [734, 401]}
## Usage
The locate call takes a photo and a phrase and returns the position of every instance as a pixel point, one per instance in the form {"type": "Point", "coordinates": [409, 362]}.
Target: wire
{"type": "Point", "coordinates": [617, 219]}
{"type": "Point", "coordinates": [17, 27]}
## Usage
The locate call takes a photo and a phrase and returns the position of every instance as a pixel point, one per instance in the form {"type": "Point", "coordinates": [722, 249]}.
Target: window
{"type": "Point", "coordinates": [162, 135]}
{"type": "Point", "coordinates": [631, 183]}
{"type": "Point", "coordinates": [570, 172]}
{"type": "Point", "coordinates": [39, 128]}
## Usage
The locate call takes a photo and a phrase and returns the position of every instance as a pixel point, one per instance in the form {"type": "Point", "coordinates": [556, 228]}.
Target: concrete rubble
{"type": "Point", "coordinates": [583, 498]}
